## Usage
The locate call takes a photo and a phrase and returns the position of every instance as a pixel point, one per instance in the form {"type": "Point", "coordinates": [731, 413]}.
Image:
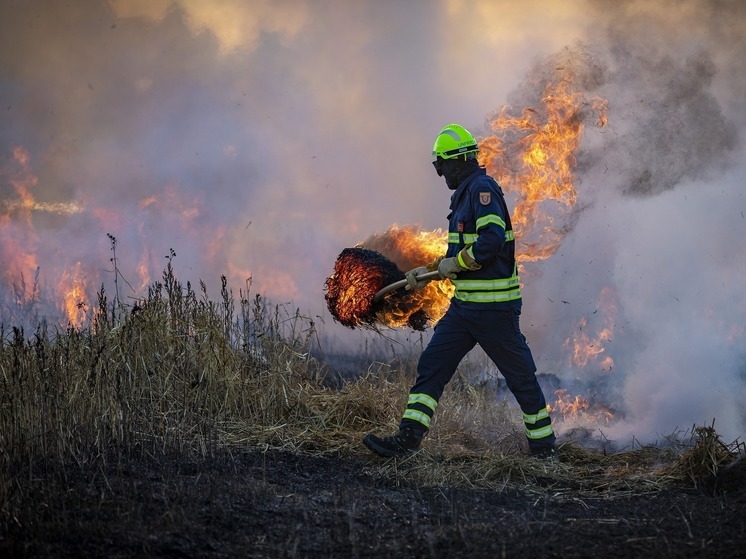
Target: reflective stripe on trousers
{"type": "Point", "coordinates": [498, 333]}
{"type": "Point", "coordinates": [420, 408]}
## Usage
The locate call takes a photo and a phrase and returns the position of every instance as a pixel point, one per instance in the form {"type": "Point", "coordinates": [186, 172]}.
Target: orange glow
{"type": "Point", "coordinates": [578, 409]}
{"type": "Point", "coordinates": [108, 219]}
{"type": "Point", "coordinates": [18, 240]}
{"type": "Point", "coordinates": [143, 272]}
{"type": "Point", "coordinates": [586, 347]}
{"type": "Point", "coordinates": [19, 246]}
{"type": "Point", "coordinates": [149, 201]}
{"type": "Point", "coordinates": [173, 199]}
{"type": "Point", "coordinates": [23, 182]}
{"type": "Point", "coordinates": [410, 247]}
{"type": "Point", "coordinates": [533, 155]}
{"type": "Point", "coordinates": [72, 291]}
{"type": "Point", "coordinates": [20, 261]}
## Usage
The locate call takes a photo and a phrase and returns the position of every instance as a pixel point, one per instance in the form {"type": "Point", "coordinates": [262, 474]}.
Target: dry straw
{"type": "Point", "coordinates": [179, 373]}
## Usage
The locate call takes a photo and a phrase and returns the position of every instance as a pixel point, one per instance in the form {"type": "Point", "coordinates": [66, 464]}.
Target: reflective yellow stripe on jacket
{"type": "Point", "coordinates": [498, 290]}
{"type": "Point", "coordinates": [490, 218]}
{"type": "Point", "coordinates": [488, 290]}
{"type": "Point", "coordinates": [471, 238]}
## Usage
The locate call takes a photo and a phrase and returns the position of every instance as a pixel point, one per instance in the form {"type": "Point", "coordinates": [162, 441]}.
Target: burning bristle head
{"type": "Point", "coordinates": [359, 274]}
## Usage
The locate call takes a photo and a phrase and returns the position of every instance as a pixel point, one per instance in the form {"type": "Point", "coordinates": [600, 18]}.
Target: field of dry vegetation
{"type": "Point", "coordinates": [187, 427]}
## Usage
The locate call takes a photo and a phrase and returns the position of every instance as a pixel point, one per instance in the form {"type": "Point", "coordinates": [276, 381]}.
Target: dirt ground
{"type": "Point", "coordinates": [253, 503]}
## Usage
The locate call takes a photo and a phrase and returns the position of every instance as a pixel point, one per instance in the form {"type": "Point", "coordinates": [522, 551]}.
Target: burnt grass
{"type": "Point", "coordinates": [253, 502]}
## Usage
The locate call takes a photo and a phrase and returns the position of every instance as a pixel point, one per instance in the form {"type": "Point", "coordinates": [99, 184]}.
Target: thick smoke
{"type": "Point", "coordinates": [652, 271]}
{"type": "Point", "coordinates": [672, 127]}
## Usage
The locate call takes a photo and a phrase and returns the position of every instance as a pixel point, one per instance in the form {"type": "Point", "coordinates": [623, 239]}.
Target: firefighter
{"type": "Point", "coordinates": [485, 308]}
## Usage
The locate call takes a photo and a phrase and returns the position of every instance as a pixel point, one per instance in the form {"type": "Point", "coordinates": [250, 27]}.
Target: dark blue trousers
{"type": "Point", "coordinates": [498, 333]}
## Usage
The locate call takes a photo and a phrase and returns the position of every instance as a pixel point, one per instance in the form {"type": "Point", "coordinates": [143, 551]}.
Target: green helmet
{"type": "Point", "coordinates": [454, 140]}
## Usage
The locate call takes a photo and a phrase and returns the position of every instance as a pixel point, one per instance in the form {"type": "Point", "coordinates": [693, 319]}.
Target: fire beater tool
{"type": "Point", "coordinates": [364, 289]}
{"type": "Point", "coordinates": [401, 283]}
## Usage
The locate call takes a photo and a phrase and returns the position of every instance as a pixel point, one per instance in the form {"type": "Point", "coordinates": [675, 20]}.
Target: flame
{"type": "Point", "coordinates": [586, 348]}
{"type": "Point", "coordinates": [23, 182]}
{"type": "Point", "coordinates": [39, 279]}
{"type": "Point", "coordinates": [71, 289]}
{"type": "Point", "coordinates": [578, 409]}
{"type": "Point", "coordinates": [171, 197]}
{"type": "Point", "coordinates": [29, 204]}
{"type": "Point", "coordinates": [18, 241]}
{"type": "Point", "coordinates": [19, 247]}
{"type": "Point", "coordinates": [149, 201]}
{"type": "Point", "coordinates": [361, 272]}
{"type": "Point", "coordinates": [531, 152]}
{"type": "Point", "coordinates": [533, 156]}
{"type": "Point", "coordinates": [410, 247]}
{"type": "Point", "coordinates": [143, 272]}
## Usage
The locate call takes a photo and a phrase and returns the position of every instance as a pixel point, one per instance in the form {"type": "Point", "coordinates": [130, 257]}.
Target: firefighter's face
{"type": "Point", "coordinates": [449, 170]}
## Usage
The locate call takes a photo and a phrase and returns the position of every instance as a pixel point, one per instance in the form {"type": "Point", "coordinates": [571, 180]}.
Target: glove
{"type": "Point", "coordinates": [411, 276]}
{"type": "Point", "coordinates": [449, 267]}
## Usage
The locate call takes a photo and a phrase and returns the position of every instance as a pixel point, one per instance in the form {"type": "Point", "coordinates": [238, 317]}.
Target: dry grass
{"type": "Point", "coordinates": [180, 373]}
{"type": "Point", "coordinates": [580, 472]}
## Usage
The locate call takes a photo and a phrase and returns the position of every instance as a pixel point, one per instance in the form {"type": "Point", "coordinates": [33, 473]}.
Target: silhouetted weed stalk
{"type": "Point", "coordinates": [177, 372]}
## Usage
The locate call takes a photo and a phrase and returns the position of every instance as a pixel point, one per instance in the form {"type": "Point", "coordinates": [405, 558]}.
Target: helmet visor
{"type": "Point", "coordinates": [438, 164]}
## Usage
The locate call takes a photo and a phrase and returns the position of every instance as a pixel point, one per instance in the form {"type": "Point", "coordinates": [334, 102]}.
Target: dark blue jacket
{"type": "Point", "coordinates": [480, 219]}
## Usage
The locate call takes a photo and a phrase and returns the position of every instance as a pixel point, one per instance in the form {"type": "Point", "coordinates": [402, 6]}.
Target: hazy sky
{"type": "Point", "coordinates": [260, 138]}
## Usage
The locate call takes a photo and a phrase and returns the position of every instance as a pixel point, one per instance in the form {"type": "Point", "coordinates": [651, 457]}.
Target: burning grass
{"type": "Point", "coordinates": [182, 376]}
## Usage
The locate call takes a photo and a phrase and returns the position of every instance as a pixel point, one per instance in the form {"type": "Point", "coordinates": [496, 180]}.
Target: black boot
{"type": "Point", "coordinates": [404, 443]}
{"type": "Point", "coordinates": [548, 452]}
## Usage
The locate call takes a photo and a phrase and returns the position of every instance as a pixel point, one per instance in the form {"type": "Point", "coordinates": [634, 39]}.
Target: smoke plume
{"type": "Point", "coordinates": [650, 275]}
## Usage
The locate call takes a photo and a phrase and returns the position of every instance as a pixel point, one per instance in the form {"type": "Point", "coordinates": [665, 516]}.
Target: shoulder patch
{"type": "Point", "coordinates": [485, 198]}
